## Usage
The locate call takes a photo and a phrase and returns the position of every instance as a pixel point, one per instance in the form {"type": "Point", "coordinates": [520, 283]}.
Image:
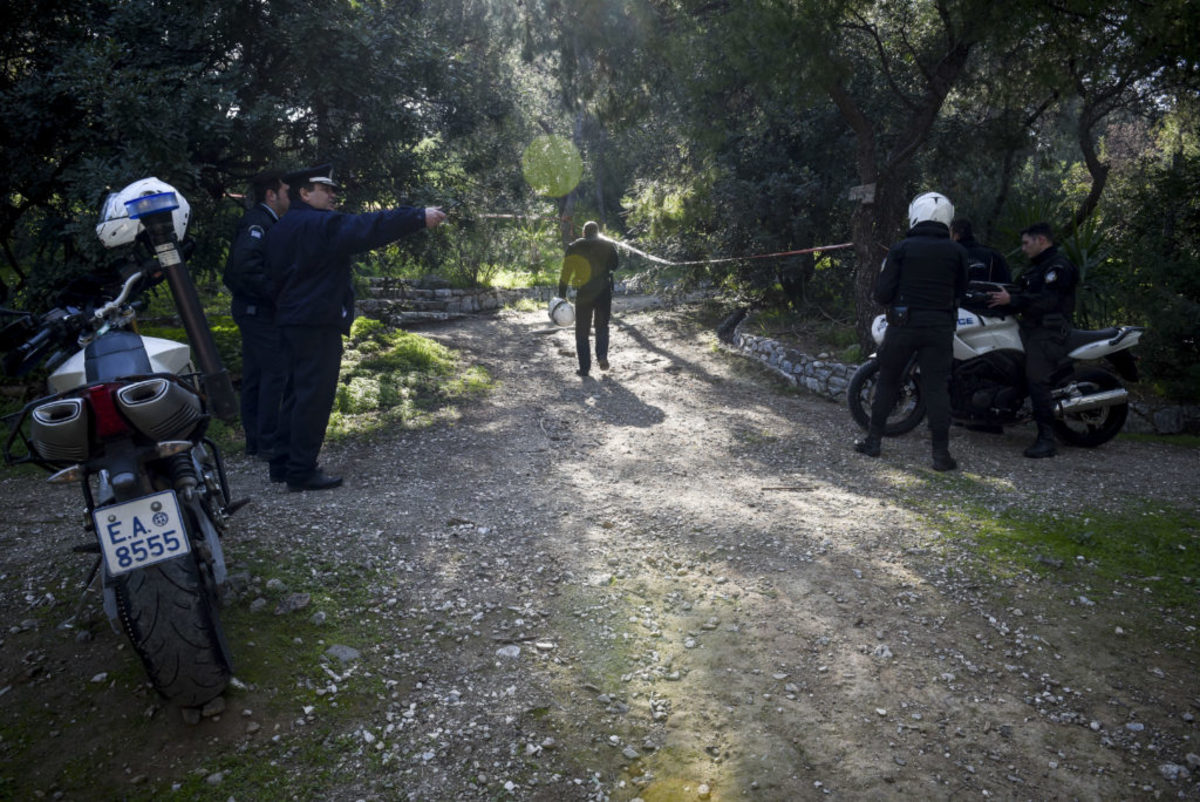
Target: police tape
{"type": "Point", "coordinates": [667, 262]}
{"type": "Point", "coordinates": [775, 255]}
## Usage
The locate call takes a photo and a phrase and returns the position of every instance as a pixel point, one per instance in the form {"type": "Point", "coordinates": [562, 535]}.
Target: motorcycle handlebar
{"type": "Point", "coordinates": [116, 303]}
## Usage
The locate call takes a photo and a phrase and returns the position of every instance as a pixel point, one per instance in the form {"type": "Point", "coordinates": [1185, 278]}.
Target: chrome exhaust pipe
{"type": "Point", "coordinates": [1108, 398]}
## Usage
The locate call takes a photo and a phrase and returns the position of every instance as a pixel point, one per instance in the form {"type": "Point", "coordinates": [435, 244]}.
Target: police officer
{"type": "Point", "coordinates": [254, 312]}
{"type": "Point", "coordinates": [589, 264]}
{"type": "Point", "coordinates": [309, 257]}
{"type": "Point", "coordinates": [922, 280]}
{"type": "Point", "coordinates": [1045, 303]}
{"type": "Point", "coordinates": [983, 263]}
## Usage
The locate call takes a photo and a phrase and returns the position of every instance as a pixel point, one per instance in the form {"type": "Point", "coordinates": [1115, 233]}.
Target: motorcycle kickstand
{"type": "Point", "coordinates": [69, 623]}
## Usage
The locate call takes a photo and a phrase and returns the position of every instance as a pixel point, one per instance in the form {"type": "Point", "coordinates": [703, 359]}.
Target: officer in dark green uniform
{"type": "Point", "coordinates": [254, 312]}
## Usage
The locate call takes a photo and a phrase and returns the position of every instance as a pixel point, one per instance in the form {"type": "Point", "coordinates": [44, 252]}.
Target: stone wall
{"type": "Point", "coordinates": [826, 377]}
{"type": "Point", "coordinates": [396, 302]}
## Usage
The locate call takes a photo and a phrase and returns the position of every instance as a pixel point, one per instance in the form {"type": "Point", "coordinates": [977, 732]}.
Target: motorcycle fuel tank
{"type": "Point", "coordinates": [977, 334]}
{"type": "Point", "coordinates": [166, 356]}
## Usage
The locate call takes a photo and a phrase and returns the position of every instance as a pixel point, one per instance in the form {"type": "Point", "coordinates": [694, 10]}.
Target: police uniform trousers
{"type": "Point", "coordinates": [934, 349]}
{"type": "Point", "coordinates": [263, 377]}
{"type": "Point", "coordinates": [314, 357]}
{"type": "Point", "coordinates": [1045, 349]}
{"type": "Point", "coordinates": [592, 307]}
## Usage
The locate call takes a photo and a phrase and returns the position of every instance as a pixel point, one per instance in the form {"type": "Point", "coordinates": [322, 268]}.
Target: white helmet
{"type": "Point", "coordinates": [561, 311]}
{"type": "Point", "coordinates": [930, 206]}
{"type": "Point", "coordinates": [117, 227]}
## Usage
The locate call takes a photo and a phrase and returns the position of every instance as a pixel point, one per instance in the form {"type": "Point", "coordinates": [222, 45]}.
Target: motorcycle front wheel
{"type": "Point", "coordinates": [904, 416]}
{"type": "Point", "coordinates": [169, 613]}
{"type": "Point", "coordinates": [1092, 427]}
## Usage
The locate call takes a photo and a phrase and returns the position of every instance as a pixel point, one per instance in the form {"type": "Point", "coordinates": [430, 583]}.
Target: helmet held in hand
{"type": "Point", "coordinates": [561, 311]}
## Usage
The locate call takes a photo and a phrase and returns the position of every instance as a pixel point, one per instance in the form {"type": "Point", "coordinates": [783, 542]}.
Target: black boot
{"type": "Point", "coordinates": [869, 445]}
{"type": "Point", "coordinates": [942, 461]}
{"type": "Point", "coordinates": [1043, 446]}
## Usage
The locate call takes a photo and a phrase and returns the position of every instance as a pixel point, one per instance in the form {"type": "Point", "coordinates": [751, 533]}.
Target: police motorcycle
{"type": "Point", "coordinates": [126, 420]}
{"type": "Point", "coordinates": [987, 379]}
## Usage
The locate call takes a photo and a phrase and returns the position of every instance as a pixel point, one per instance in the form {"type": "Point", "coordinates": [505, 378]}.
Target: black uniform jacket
{"type": "Point", "coordinates": [246, 268]}
{"type": "Point", "coordinates": [927, 272]}
{"type": "Point", "coordinates": [1045, 293]}
{"type": "Point", "coordinates": [985, 264]}
{"type": "Point", "coordinates": [309, 258]}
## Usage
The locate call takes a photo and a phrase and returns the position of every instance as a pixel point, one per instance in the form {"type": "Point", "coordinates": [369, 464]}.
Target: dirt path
{"type": "Point", "coordinates": [671, 582]}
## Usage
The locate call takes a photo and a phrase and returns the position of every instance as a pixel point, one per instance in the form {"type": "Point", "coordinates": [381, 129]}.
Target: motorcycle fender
{"type": "Point", "coordinates": [213, 541]}
{"type": "Point", "coordinates": [1125, 364]}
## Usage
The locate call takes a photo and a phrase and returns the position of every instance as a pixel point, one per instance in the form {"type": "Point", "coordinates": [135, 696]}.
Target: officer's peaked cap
{"type": "Point", "coordinates": [320, 174]}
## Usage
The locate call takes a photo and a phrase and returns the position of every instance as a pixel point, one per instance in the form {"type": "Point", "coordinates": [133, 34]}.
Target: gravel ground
{"type": "Point", "coordinates": [671, 581]}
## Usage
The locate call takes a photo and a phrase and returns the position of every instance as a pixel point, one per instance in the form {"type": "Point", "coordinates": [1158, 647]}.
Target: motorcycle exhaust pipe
{"type": "Point", "coordinates": [1108, 398]}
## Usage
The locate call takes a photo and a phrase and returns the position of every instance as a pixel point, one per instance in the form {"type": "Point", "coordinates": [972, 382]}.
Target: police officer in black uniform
{"type": "Point", "coordinates": [1045, 302]}
{"type": "Point", "coordinates": [983, 263]}
{"type": "Point", "coordinates": [254, 312]}
{"type": "Point", "coordinates": [309, 258]}
{"type": "Point", "coordinates": [922, 280]}
{"type": "Point", "coordinates": [589, 264]}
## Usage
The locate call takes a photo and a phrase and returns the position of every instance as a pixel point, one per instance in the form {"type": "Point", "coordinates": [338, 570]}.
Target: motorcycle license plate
{"type": "Point", "coordinates": [141, 532]}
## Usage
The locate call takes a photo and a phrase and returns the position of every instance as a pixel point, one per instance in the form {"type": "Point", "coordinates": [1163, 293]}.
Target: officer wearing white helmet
{"type": "Point", "coordinates": [922, 280]}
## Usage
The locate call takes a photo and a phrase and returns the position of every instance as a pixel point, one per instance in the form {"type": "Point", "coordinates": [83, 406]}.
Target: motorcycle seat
{"type": "Point", "coordinates": [1079, 337]}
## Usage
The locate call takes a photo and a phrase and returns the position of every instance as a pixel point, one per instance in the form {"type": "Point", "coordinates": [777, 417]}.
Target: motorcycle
{"type": "Point", "coordinates": [987, 379]}
{"type": "Point", "coordinates": [127, 419]}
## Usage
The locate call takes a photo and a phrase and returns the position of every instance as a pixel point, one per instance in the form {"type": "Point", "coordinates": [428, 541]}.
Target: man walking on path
{"type": "Point", "coordinates": [588, 265]}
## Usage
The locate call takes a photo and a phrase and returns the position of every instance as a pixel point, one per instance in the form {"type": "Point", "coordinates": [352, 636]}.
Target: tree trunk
{"type": "Point", "coordinates": [875, 227]}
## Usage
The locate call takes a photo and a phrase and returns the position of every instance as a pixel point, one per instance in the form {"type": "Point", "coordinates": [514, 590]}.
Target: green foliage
{"type": "Point", "coordinates": [1154, 274]}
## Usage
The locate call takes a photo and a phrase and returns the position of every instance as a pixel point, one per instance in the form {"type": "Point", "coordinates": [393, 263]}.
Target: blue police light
{"type": "Point", "coordinates": [152, 204]}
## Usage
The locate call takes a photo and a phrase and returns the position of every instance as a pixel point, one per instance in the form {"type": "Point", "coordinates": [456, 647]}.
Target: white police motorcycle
{"type": "Point", "coordinates": [987, 379]}
{"type": "Point", "coordinates": [126, 420]}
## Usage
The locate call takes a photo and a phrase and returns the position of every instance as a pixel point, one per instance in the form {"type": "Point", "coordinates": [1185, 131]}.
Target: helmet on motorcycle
{"type": "Point", "coordinates": [117, 228]}
{"type": "Point", "coordinates": [930, 206]}
{"type": "Point", "coordinates": [561, 311]}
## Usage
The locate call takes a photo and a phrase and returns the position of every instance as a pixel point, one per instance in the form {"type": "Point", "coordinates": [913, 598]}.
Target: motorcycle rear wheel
{"type": "Point", "coordinates": [905, 415]}
{"type": "Point", "coordinates": [169, 613]}
{"type": "Point", "coordinates": [1093, 427]}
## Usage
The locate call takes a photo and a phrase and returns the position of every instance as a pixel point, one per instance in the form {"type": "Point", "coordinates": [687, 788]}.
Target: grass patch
{"type": "Point", "coordinates": [397, 378]}
{"type": "Point", "coordinates": [1153, 547]}
{"type": "Point", "coordinates": [509, 278]}
{"type": "Point", "coordinates": [527, 305]}
{"type": "Point", "coordinates": [1179, 440]}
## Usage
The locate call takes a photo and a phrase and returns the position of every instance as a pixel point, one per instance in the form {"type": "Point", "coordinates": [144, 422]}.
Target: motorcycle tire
{"type": "Point", "coordinates": [1092, 427]}
{"type": "Point", "coordinates": [169, 613]}
{"type": "Point", "coordinates": [905, 415]}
